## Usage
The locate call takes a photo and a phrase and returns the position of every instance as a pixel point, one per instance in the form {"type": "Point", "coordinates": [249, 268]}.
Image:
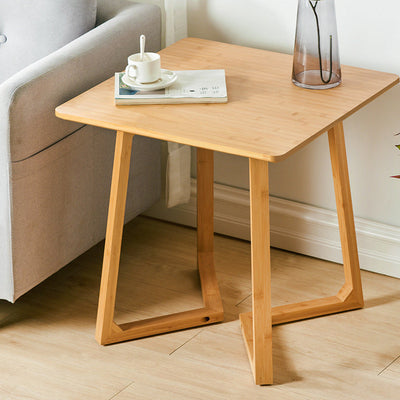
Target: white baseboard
{"type": "Point", "coordinates": [295, 227]}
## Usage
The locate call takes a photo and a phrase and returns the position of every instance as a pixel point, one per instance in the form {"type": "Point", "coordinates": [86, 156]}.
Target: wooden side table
{"type": "Point", "coordinates": [266, 119]}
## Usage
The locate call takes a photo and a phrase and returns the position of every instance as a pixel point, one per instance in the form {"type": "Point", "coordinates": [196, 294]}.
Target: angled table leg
{"type": "Point", "coordinates": [351, 293]}
{"type": "Point", "coordinates": [257, 325]}
{"type": "Point", "coordinates": [105, 326]}
{"type": "Point", "coordinates": [350, 296]}
{"type": "Point", "coordinates": [107, 331]}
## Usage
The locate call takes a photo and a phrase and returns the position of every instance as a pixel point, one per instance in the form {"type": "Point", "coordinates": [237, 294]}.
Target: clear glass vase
{"type": "Point", "coordinates": [316, 62]}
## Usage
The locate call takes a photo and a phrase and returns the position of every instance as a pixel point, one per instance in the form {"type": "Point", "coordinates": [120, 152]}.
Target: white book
{"type": "Point", "coordinates": [201, 86]}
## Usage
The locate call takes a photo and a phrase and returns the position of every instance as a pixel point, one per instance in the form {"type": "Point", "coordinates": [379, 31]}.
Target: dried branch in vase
{"type": "Point", "coordinates": [398, 146]}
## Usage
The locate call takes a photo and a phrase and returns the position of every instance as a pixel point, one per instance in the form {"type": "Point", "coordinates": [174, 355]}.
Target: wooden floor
{"type": "Point", "coordinates": [48, 350]}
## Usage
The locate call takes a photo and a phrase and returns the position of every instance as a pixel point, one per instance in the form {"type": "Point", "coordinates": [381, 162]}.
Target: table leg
{"type": "Point", "coordinates": [257, 325]}
{"type": "Point", "coordinates": [112, 248]}
{"type": "Point", "coordinates": [351, 292]}
{"type": "Point", "coordinates": [107, 331]}
{"type": "Point", "coordinates": [205, 231]}
{"type": "Point", "coordinates": [350, 296]}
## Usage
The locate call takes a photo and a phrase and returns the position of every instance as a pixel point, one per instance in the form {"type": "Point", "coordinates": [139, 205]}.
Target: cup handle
{"type": "Point", "coordinates": [127, 69]}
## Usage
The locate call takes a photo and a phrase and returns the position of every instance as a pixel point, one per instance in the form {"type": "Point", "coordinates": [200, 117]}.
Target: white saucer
{"type": "Point", "coordinates": [167, 79]}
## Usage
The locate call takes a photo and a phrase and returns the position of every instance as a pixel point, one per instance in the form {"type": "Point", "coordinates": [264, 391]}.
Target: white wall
{"type": "Point", "coordinates": [174, 19]}
{"type": "Point", "coordinates": [369, 37]}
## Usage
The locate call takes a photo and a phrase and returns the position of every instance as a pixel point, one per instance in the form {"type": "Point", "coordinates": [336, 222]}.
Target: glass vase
{"type": "Point", "coordinates": [316, 62]}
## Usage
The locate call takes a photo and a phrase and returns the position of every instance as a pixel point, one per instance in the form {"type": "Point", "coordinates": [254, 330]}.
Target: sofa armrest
{"type": "Point", "coordinates": [28, 98]}
{"type": "Point", "coordinates": [107, 9]}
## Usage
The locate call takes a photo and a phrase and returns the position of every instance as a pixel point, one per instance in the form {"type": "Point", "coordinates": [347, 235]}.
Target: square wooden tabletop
{"type": "Point", "coordinates": [266, 117]}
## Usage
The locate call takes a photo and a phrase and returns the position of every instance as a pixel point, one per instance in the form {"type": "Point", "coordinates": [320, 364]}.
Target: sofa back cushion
{"type": "Point", "coordinates": [32, 29]}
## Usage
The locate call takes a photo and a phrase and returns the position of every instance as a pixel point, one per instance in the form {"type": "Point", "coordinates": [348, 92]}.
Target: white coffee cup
{"type": "Point", "coordinates": [144, 70]}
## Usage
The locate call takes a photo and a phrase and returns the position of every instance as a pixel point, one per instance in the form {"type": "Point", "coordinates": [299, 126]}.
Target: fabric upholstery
{"type": "Point", "coordinates": [32, 139]}
{"type": "Point", "coordinates": [60, 200]}
{"type": "Point", "coordinates": [36, 28]}
{"type": "Point", "coordinates": [71, 70]}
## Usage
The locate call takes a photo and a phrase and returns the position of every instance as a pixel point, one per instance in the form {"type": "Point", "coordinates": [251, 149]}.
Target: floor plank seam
{"type": "Point", "coordinates": [240, 302]}
{"type": "Point", "coordinates": [387, 366]}
{"type": "Point", "coordinates": [187, 341]}
{"type": "Point", "coordinates": [116, 394]}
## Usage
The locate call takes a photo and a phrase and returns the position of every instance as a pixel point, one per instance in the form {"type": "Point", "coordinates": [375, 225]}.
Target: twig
{"type": "Point", "coordinates": [319, 45]}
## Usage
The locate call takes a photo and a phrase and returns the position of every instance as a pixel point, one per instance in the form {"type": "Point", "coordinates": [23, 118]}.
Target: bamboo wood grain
{"type": "Point", "coordinates": [349, 297]}
{"type": "Point", "coordinates": [165, 323]}
{"type": "Point", "coordinates": [112, 247]}
{"type": "Point", "coordinates": [205, 230]}
{"type": "Point", "coordinates": [246, 323]}
{"type": "Point", "coordinates": [308, 309]}
{"type": "Point", "coordinates": [266, 116]}
{"type": "Point", "coordinates": [261, 352]}
{"type": "Point", "coordinates": [205, 201]}
{"type": "Point", "coordinates": [352, 287]}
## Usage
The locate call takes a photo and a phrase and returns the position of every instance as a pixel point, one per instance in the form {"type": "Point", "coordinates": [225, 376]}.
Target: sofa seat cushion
{"type": "Point", "coordinates": [32, 29]}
